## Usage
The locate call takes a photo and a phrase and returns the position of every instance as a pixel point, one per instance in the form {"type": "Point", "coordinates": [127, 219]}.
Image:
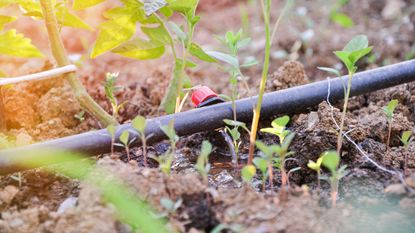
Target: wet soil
{"type": "Point", "coordinates": [370, 199]}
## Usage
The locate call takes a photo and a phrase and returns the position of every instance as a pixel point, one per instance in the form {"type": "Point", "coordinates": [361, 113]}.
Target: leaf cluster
{"type": "Point", "coordinates": [357, 48]}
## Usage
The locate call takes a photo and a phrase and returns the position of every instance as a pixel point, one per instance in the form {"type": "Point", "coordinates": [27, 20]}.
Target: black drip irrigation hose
{"type": "Point", "coordinates": [292, 100]}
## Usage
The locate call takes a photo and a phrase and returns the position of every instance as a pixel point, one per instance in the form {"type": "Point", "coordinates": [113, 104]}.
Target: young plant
{"type": "Point", "coordinates": [268, 158]}
{"type": "Point", "coordinates": [279, 128]}
{"type": "Point", "coordinates": [340, 18]}
{"type": "Point", "coordinates": [331, 161]}
{"type": "Point", "coordinates": [202, 164]}
{"type": "Point", "coordinates": [165, 161]}
{"type": "Point", "coordinates": [170, 206]}
{"type": "Point", "coordinates": [235, 134]}
{"type": "Point", "coordinates": [356, 49]}
{"type": "Point", "coordinates": [112, 130]}
{"type": "Point", "coordinates": [234, 42]}
{"type": "Point", "coordinates": [125, 140]}
{"type": "Point", "coordinates": [139, 123]}
{"type": "Point", "coordinates": [316, 166]}
{"type": "Point", "coordinates": [389, 111]}
{"type": "Point", "coordinates": [110, 89]}
{"type": "Point", "coordinates": [406, 140]}
{"type": "Point", "coordinates": [269, 36]}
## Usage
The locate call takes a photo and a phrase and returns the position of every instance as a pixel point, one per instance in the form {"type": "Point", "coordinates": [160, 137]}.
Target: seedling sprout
{"type": "Point", "coordinates": [331, 161]}
{"type": "Point", "coordinates": [202, 164]}
{"type": "Point", "coordinates": [389, 111]}
{"type": "Point", "coordinates": [139, 123]}
{"type": "Point", "coordinates": [406, 140]}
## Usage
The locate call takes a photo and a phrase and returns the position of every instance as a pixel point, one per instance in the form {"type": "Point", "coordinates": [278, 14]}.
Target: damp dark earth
{"type": "Point", "coordinates": [256, 116]}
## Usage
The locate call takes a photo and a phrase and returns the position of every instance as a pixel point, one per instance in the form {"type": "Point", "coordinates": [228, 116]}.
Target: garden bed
{"type": "Point", "coordinates": [370, 199]}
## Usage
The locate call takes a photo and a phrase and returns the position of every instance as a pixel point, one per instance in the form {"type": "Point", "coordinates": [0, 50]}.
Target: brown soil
{"type": "Point", "coordinates": [369, 198]}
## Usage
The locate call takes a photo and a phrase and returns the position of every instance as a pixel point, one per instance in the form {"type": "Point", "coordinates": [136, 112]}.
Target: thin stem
{"type": "Point", "coordinates": [58, 52]}
{"type": "Point", "coordinates": [271, 178]}
{"type": "Point", "coordinates": [318, 181]}
{"type": "Point", "coordinates": [144, 141]}
{"type": "Point", "coordinates": [346, 102]}
{"type": "Point", "coordinates": [389, 135]}
{"type": "Point", "coordinates": [257, 111]}
{"type": "Point", "coordinates": [39, 76]}
{"type": "Point", "coordinates": [127, 150]}
{"type": "Point", "coordinates": [3, 124]}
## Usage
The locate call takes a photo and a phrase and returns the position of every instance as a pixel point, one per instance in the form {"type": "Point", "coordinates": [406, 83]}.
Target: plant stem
{"type": "Point", "coordinates": [58, 52]}
{"type": "Point", "coordinates": [127, 150]}
{"type": "Point", "coordinates": [346, 102]}
{"type": "Point", "coordinates": [271, 178]}
{"type": "Point", "coordinates": [318, 181]}
{"type": "Point", "coordinates": [3, 124]}
{"type": "Point", "coordinates": [144, 141]}
{"type": "Point", "coordinates": [334, 191]}
{"type": "Point", "coordinates": [389, 135]}
{"type": "Point", "coordinates": [257, 110]}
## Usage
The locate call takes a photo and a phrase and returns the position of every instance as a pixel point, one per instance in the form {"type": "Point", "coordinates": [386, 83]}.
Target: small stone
{"type": "Point", "coordinates": [70, 202]}
{"type": "Point", "coordinates": [7, 194]}
{"type": "Point", "coordinates": [410, 181]}
{"type": "Point", "coordinates": [395, 190]}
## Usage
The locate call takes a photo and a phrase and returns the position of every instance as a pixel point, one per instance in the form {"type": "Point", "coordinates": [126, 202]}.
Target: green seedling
{"type": "Point", "coordinates": [355, 50]}
{"type": "Point", "coordinates": [231, 227]}
{"type": "Point", "coordinates": [139, 123]}
{"type": "Point", "coordinates": [279, 128]}
{"type": "Point", "coordinates": [165, 161]}
{"type": "Point", "coordinates": [269, 38]}
{"type": "Point", "coordinates": [316, 166]}
{"type": "Point", "coordinates": [80, 116]}
{"type": "Point", "coordinates": [110, 89]}
{"type": "Point", "coordinates": [268, 158]}
{"type": "Point", "coordinates": [406, 140]}
{"type": "Point", "coordinates": [202, 164]}
{"type": "Point", "coordinates": [234, 42]}
{"type": "Point", "coordinates": [389, 111]}
{"type": "Point", "coordinates": [55, 15]}
{"type": "Point", "coordinates": [232, 128]}
{"type": "Point", "coordinates": [331, 161]}
{"type": "Point", "coordinates": [125, 140]}
{"type": "Point", "coordinates": [111, 130]}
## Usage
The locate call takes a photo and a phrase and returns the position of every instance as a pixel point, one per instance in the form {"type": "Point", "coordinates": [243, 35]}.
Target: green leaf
{"type": "Point", "coordinates": [250, 61]}
{"type": "Point", "coordinates": [357, 43]}
{"type": "Point", "coordinates": [198, 52]}
{"type": "Point", "coordinates": [13, 44]}
{"type": "Point", "coordinates": [183, 6]}
{"type": "Point", "coordinates": [158, 34]}
{"type": "Point", "coordinates": [124, 137]}
{"type": "Point", "coordinates": [342, 19]}
{"type": "Point", "coordinates": [233, 61]}
{"type": "Point", "coordinates": [344, 57]}
{"type": "Point", "coordinates": [114, 32]}
{"type": "Point", "coordinates": [139, 123]}
{"type": "Point", "coordinates": [152, 6]}
{"type": "Point", "coordinates": [248, 173]}
{"type": "Point", "coordinates": [68, 19]}
{"type": "Point", "coordinates": [140, 49]}
{"type": "Point", "coordinates": [280, 122]}
{"type": "Point", "coordinates": [83, 4]}
{"type": "Point", "coordinates": [312, 165]}
{"type": "Point", "coordinates": [357, 55]}
{"type": "Point", "coordinates": [169, 131]}
{"type": "Point", "coordinates": [406, 137]}
{"type": "Point", "coordinates": [390, 108]}
{"type": "Point", "coordinates": [261, 164]}
{"type": "Point", "coordinates": [330, 70]}
{"type": "Point", "coordinates": [4, 19]}
{"type": "Point", "coordinates": [111, 130]}
{"type": "Point", "coordinates": [331, 160]}
{"type": "Point", "coordinates": [206, 149]}
{"type": "Point", "coordinates": [234, 123]}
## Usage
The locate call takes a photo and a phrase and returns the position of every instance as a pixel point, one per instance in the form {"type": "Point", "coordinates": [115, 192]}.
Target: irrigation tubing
{"type": "Point", "coordinates": [292, 100]}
